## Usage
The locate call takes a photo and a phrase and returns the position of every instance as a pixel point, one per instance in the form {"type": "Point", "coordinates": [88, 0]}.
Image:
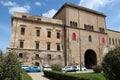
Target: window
{"type": "Point", "coordinates": [88, 27]}
{"type": "Point", "coordinates": [109, 40]}
{"type": "Point", "coordinates": [73, 24]}
{"type": "Point", "coordinates": [21, 44]}
{"type": "Point", "coordinates": [49, 56]}
{"type": "Point", "coordinates": [90, 38]}
{"type": "Point", "coordinates": [20, 55]}
{"type": "Point", "coordinates": [116, 41]}
{"type": "Point", "coordinates": [73, 36]}
{"type": "Point", "coordinates": [37, 56]}
{"type": "Point", "coordinates": [48, 46]}
{"type": "Point", "coordinates": [58, 35]}
{"type": "Point", "coordinates": [22, 31]}
{"type": "Point", "coordinates": [49, 34]}
{"type": "Point", "coordinates": [113, 41]}
{"type": "Point", "coordinates": [76, 24]}
{"type": "Point", "coordinates": [102, 30]}
{"type": "Point", "coordinates": [24, 17]}
{"type": "Point", "coordinates": [103, 40]}
{"type": "Point", "coordinates": [119, 41]}
{"type": "Point", "coordinates": [58, 47]}
{"type": "Point", "coordinates": [37, 45]}
{"type": "Point", "coordinates": [59, 57]}
{"type": "Point", "coordinates": [39, 19]}
{"type": "Point", "coordinates": [37, 32]}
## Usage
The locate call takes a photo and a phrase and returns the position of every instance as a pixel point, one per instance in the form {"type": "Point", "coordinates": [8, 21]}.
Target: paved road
{"type": "Point", "coordinates": [38, 76]}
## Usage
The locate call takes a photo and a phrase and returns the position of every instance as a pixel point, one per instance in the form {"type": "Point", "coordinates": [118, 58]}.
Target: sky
{"type": "Point", "coordinates": [48, 8]}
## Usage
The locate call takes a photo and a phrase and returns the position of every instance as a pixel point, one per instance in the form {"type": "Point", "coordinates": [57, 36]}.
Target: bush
{"type": "Point", "coordinates": [97, 69]}
{"type": "Point", "coordinates": [63, 76]}
{"type": "Point", "coordinates": [56, 67]}
{"type": "Point", "coordinates": [111, 64]}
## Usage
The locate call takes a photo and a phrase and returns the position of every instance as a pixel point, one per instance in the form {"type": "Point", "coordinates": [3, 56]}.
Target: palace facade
{"type": "Point", "coordinates": [75, 35]}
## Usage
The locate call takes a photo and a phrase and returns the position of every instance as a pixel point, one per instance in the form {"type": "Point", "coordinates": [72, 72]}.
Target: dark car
{"type": "Point", "coordinates": [33, 69]}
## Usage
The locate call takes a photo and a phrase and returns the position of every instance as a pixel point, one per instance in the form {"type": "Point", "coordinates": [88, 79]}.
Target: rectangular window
{"type": "Point", "coordinates": [116, 41]}
{"type": "Point", "coordinates": [59, 57]}
{"type": "Point", "coordinates": [119, 41]}
{"type": "Point", "coordinates": [88, 27]}
{"type": "Point", "coordinates": [58, 35]}
{"type": "Point", "coordinates": [109, 40]}
{"type": "Point", "coordinates": [39, 19]}
{"type": "Point", "coordinates": [37, 45]}
{"type": "Point", "coordinates": [113, 41]}
{"type": "Point", "coordinates": [49, 56]}
{"type": "Point", "coordinates": [48, 46]}
{"type": "Point", "coordinates": [24, 17]}
{"type": "Point", "coordinates": [58, 47]}
{"type": "Point", "coordinates": [21, 44]}
{"type": "Point", "coordinates": [102, 30]}
{"type": "Point", "coordinates": [49, 34]}
{"type": "Point", "coordinates": [38, 33]}
{"type": "Point", "coordinates": [22, 31]}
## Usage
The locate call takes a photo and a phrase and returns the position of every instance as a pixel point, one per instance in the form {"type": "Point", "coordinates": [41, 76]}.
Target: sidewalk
{"type": "Point", "coordinates": [38, 76]}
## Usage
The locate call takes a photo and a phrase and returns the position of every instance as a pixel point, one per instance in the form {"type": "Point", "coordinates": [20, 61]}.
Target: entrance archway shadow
{"type": "Point", "coordinates": [90, 58]}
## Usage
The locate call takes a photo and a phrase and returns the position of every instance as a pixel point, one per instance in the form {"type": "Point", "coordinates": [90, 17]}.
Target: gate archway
{"type": "Point", "coordinates": [90, 59]}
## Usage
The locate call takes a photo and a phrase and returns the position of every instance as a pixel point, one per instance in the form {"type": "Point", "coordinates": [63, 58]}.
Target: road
{"type": "Point", "coordinates": [38, 76]}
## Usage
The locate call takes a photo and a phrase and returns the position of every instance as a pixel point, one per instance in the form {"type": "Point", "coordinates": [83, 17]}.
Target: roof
{"type": "Point", "coordinates": [80, 8]}
{"type": "Point", "coordinates": [113, 30]}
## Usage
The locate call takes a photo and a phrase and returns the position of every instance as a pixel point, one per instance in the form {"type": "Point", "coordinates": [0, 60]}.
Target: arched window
{"type": "Point", "coordinates": [90, 38]}
{"type": "Point", "coordinates": [20, 55]}
{"type": "Point", "coordinates": [73, 36]}
{"type": "Point", "coordinates": [103, 40]}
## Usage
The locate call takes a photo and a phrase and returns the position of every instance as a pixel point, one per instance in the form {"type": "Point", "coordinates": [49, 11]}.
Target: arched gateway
{"type": "Point", "coordinates": [90, 58]}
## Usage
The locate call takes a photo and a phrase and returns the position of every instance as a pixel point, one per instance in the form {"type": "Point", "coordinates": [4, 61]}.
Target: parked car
{"type": "Point", "coordinates": [47, 68]}
{"type": "Point", "coordinates": [24, 66]}
{"type": "Point", "coordinates": [82, 68]}
{"type": "Point", "coordinates": [69, 68]}
{"type": "Point", "coordinates": [33, 69]}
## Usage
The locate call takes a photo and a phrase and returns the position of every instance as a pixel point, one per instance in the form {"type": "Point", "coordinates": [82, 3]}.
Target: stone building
{"type": "Point", "coordinates": [75, 35]}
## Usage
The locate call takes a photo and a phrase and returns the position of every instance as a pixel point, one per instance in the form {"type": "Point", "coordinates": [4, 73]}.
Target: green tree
{"type": "Point", "coordinates": [111, 64]}
{"type": "Point", "coordinates": [11, 67]}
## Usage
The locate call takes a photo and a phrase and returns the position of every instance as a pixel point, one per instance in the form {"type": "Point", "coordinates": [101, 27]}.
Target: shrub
{"type": "Point", "coordinates": [111, 64]}
{"type": "Point", "coordinates": [63, 76]}
{"type": "Point", "coordinates": [97, 69]}
{"type": "Point", "coordinates": [56, 67]}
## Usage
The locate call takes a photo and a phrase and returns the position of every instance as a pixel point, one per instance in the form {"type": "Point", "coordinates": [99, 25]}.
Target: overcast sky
{"type": "Point", "coordinates": [48, 8]}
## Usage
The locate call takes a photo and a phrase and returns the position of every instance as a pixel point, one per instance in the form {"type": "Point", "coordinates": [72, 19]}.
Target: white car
{"type": "Point", "coordinates": [82, 68]}
{"type": "Point", "coordinates": [69, 68]}
{"type": "Point", "coordinates": [48, 68]}
{"type": "Point", "coordinates": [24, 66]}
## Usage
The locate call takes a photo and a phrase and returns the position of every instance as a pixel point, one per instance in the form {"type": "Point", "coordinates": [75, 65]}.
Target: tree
{"type": "Point", "coordinates": [111, 64]}
{"type": "Point", "coordinates": [11, 67]}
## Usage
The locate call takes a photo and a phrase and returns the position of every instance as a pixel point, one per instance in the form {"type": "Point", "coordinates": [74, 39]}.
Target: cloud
{"type": "Point", "coordinates": [95, 4]}
{"type": "Point", "coordinates": [24, 9]}
{"type": "Point", "coordinates": [50, 13]}
{"type": "Point", "coordinates": [37, 3]}
{"type": "Point", "coordinates": [8, 3]}
{"type": "Point", "coordinates": [13, 7]}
